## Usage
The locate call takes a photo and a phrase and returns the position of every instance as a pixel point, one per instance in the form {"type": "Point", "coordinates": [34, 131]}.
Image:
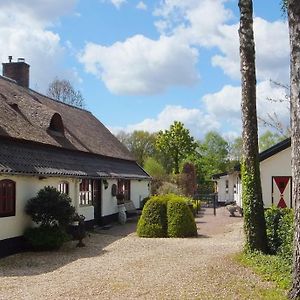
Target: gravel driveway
{"type": "Point", "coordinates": [116, 264]}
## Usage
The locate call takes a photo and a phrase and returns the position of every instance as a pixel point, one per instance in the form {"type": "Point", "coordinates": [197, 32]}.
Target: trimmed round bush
{"type": "Point", "coordinates": [181, 221]}
{"type": "Point", "coordinates": [50, 207]}
{"type": "Point", "coordinates": [153, 221]}
{"type": "Point", "coordinates": [46, 237]}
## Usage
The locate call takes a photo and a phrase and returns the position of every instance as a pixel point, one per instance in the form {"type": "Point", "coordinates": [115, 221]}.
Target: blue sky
{"type": "Point", "coordinates": [144, 64]}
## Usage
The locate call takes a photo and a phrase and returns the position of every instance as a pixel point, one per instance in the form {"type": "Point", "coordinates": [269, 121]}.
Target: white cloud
{"type": "Point", "coordinates": [192, 22]}
{"type": "Point", "coordinates": [118, 3]}
{"type": "Point", "coordinates": [24, 32]}
{"type": "Point", "coordinates": [140, 65]}
{"type": "Point", "coordinates": [195, 120]}
{"type": "Point", "coordinates": [272, 50]}
{"type": "Point", "coordinates": [225, 105]}
{"type": "Point", "coordinates": [141, 5]}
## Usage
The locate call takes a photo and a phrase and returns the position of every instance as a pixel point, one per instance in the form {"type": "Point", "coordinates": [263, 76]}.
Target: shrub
{"type": "Point", "coordinates": [153, 221]}
{"type": "Point", "coordinates": [50, 207]}
{"type": "Point", "coordinates": [286, 235]}
{"type": "Point", "coordinates": [144, 201]}
{"type": "Point", "coordinates": [181, 222]}
{"type": "Point", "coordinates": [169, 188]}
{"type": "Point", "coordinates": [46, 237]}
{"type": "Point", "coordinates": [280, 230]}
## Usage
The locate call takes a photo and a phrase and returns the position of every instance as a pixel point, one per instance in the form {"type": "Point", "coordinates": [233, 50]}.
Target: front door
{"type": "Point", "coordinates": [282, 191]}
{"type": "Point", "coordinates": [97, 199]}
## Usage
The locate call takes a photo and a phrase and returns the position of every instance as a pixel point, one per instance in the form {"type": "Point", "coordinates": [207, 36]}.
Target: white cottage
{"type": "Point", "coordinates": [276, 178]}
{"type": "Point", "coordinates": [44, 142]}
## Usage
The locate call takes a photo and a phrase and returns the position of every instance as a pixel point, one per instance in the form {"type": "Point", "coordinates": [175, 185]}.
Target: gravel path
{"type": "Point", "coordinates": [116, 264]}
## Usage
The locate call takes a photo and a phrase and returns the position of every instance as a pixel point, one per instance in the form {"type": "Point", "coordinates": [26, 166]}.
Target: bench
{"type": "Point", "coordinates": [131, 210]}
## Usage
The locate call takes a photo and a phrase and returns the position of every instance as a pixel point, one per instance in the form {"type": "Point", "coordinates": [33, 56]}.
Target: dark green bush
{"type": "Point", "coordinates": [286, 235]}
{"type": "Point", "coordinates": [50, 207]}
{"type": "Point", "coordinates": [153, 221]}
{"type": "Point", "coordinates": [46, 237]}
{"type": "Point", "coordinates": [143, 202]}
{"type": "Point", "coordinates": [181, 221]}
{"type": "Point", "coordinates": [280, 231]}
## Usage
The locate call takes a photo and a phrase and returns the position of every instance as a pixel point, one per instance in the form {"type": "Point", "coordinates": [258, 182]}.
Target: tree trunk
{"type": "Point", "coordinates": [294, 25]}
{"type": "Point", "coordinates": [254, 221]}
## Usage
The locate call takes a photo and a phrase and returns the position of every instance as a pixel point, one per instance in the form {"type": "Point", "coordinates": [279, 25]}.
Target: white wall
{"type": "Point", "coordinates": [139, 189]}
{"type": "Point", "coordinates": [229, 196]}
{"type": "Point", "coordinates": [276, 165]}
{"type": "Point", "coordinates": [28, 186]}
{"type": "Point", "coordinates": [109, 203]}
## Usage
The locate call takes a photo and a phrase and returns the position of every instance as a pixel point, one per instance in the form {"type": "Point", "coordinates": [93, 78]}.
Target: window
{"type": "Point", "coordinates": [124, 188]}
{"type": "Point", "coordinates": [63, 187]}
{"type": "Point", "coordinates": [7, 198]}
{"type": "Point", "coordinates": [86, 192]}
{"type": "Point", "coordinates": [226, 186]}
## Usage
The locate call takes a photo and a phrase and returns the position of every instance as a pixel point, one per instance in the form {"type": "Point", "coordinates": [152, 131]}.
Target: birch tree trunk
{"type": "Point", "coordinates": [294, 26]}
{"type": "Point", "coordinates": [254, 220]}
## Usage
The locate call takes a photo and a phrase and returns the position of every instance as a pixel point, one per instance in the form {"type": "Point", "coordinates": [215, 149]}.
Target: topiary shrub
{"type": "Point", "coordinates": [153, 221]}
{"type": "Point", "coordinates": [181, 222]}
{"type": "Point", "coordinates": [52, 211]}
{"type": "Point", "coordinates": [46, 237]}
{"type": "Point", "coordinates": [50, 207]}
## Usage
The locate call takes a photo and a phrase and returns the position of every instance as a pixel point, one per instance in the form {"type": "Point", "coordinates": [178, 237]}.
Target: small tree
{"type": "Point", "coordinates": [50, 208]}
{"type": "Point", "coordinates": [63, 91]}
{"type": "Point", "coordinates": [177, 143]}
{"type": "Point", "coordinates": [188, 179]}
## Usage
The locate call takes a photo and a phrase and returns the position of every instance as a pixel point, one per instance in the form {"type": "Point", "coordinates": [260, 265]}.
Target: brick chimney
{"type": "Point", "coordinates": [18, 71]}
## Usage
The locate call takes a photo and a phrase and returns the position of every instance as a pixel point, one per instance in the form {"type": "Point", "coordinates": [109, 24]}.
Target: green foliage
{"type": "Point", "coordinates": [167, 215]}
{"type": "Point", "coordinates": [181, 221]}
{"type": "Point", "coordinates": [169, 188]}
{"type": "Point", "coordinates": [254, 219]}
{"type": "Point", "coordinates": [154, 168]}
{"type": "Point", "coordinates": [280, 232]}
{"type": "Point", "coordinates": [269, 139]}
{"type": "Point", "coordinates": [271, 267]}
{"type": "Point", "coordinates": [177, 143]}
{"type": "Point", "coordinates": [46, 237]}
{"type": "Point", "coordinates": [214, 154]}
{"type": "Point", "coordinates": [140, 143]}
{"type": "Point", "coordinates": [153, 221]}
{"type": "Point", "coordinates": [188, 179]}
{"type": "Point", "coordinates": [50, 207]}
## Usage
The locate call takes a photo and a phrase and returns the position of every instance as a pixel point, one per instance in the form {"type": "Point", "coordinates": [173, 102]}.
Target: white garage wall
{"type": "Point", "coordinates": [276, 165]}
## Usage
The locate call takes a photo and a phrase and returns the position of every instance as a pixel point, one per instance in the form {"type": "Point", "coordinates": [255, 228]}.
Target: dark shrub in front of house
{"type": "Point", "coordinates": [52, 212]}
{"type": "Point", "coordinates": [50, 207]}
{"type": "Point", "coordinates": [46, 237]}
{"type": "Point", "coordinates": [181, 222]}
{"type": "Point", "coordinates": [167, 216]}
{"type": "Point", "coordinates": [280, 230]}
{"type": "Point", "coordinates": [153, 221]}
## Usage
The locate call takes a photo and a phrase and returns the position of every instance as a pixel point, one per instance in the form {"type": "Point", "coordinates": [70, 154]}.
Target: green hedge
{"type": "Point", "coordinates": [46, 237]}
{"type": "Point", "coordinates": [153, 221]}
{"type": "Point", "coordinates": [280, 231]}
{"type": "Point", "coordinates": [181, 221]}
{"type": "Point", "coordinates": [166, 216]}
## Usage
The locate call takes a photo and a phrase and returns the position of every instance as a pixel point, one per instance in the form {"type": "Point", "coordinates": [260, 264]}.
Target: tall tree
{"type": "Point", "coordinates": [254, 221]}
{"type": "Point", "coordinates": [294, 29]}
{"type": "Point", "coordinates": [177, 143]}
{"type": "Point", "coordinates": [140, 143]}
{"type": "Point", "coordinates": [269, 139]}
{"type": "Point", "coordinates": [214, 154]}
{"type": "Point", "coordinates": [62, 90]}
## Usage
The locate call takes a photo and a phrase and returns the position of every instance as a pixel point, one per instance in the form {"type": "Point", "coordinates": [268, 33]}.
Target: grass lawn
{"type": "Point", "coordinates": [270, 268]}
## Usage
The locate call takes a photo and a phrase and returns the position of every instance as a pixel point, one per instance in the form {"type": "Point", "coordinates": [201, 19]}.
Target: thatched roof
{"type": "Point", "coordinates": [28, 115]}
